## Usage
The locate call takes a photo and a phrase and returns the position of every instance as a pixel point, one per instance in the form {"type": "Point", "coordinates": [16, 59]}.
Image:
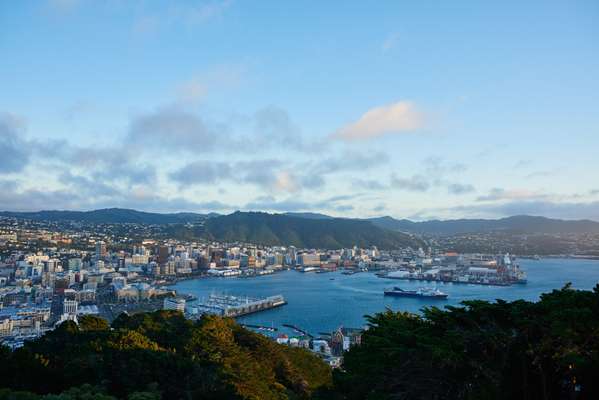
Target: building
{"type": "Point", "coordinates": [100, 250]}
{"type": "Point", "coordinates": [343, 338]}
{"type": "Point", "coordinates": [308, 259]}
{"type": "Point", "coordinates": [174, 303]}
{"type": "Point", "coordinates": [69, 307]}
{"type": "Point", "coordinates": [75, 264]}
{"type": "Point", "coordinates": [162, 254]}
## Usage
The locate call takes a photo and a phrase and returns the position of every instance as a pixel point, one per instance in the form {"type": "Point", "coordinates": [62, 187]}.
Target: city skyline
{"type": "Point", "coordinates": [344, 109]}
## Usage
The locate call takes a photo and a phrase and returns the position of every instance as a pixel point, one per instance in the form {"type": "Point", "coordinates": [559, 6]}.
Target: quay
{"type": "Point", "coordinates": [298, 330]}
{"type": "Point", "coordinates": [260, 327]}
{"type": "Point", "coordinates": [457, 281]}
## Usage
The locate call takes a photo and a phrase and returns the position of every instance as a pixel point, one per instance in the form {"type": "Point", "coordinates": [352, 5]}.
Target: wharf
{"type": "Point", "coordinates": [457, 281]}
{"type": "Point", "coordinates": [234, 306]}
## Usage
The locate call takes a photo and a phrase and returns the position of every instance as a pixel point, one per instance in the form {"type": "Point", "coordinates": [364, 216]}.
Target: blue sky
{"type": "Point", "coordinates": [411, 109]}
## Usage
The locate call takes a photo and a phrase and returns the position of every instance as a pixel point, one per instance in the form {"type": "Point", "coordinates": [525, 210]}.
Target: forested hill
{"type": "Point", "coordinates": [158, 355]}
{"type": "Point", "coordinates": [278, 229]}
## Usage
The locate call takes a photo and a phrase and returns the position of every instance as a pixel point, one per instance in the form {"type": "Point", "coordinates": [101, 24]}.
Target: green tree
{"type": "Point", "coordinates": [93, 323]}
{"type": "Point", "coordinates": [482, 350]}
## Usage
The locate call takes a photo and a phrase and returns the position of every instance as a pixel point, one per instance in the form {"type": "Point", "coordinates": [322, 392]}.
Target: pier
{"type": "Point", "coordinates": [260, 327]}
{"type": "Point", "coordinates": [234, 306]}
{"type": "Point", "coordinates": [299, 330]}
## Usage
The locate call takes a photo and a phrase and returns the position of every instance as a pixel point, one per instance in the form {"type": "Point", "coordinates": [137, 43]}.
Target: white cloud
{"type": "Point", "coordinates": [394, 118]}
{"type": "Point", "coordinates": [285, 181]}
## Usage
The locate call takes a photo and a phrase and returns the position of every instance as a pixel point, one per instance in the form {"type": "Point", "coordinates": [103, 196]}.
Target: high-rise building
{"type": "Point", "coordinates": [100, 249]}
{"type": "Point", "coordinates": [75, 264]}
{"type": "Point", "coordinates": [162, 254]}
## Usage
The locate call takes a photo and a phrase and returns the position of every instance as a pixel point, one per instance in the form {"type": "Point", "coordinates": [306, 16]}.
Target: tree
{"type": "Point", "coordinates": [501, 350]}
{"type": "Point", "coordinates": [161, 355]}
{"type": "Point", "coordinates": [93, 323]}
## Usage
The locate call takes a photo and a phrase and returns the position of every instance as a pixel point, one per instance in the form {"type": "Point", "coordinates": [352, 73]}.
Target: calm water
{"type": "Point", "coordinates": [318, 304]}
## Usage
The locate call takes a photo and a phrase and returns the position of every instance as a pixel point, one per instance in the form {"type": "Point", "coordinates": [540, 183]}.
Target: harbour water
{"type": "Point", "coordinates": [323, 302]}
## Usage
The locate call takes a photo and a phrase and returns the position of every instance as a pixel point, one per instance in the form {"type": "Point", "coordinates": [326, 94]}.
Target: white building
{"type": "Point", "coordinates": [173, 303]}
{"type": "Point", "coordinates": [69, 307]}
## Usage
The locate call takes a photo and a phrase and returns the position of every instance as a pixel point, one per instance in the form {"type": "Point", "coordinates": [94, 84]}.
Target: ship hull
{"type": "Point", "coordinates": [423, 296]}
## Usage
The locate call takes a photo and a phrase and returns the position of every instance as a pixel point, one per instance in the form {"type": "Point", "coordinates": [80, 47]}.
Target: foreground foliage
{"type": "Point", "coordinates": [518, 350]}
{"type": "Point", "coordinates": [160, 355]}
{"type": "Point", "coordinates": [502, 350]}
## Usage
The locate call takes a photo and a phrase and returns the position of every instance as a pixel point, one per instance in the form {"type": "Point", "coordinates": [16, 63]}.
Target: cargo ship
{"type": "Point", "coordinates": [422, 292]}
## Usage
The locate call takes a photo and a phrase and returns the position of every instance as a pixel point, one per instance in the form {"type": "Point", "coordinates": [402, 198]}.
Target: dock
{"type": "Point", "coordinates": [260, 327]}
{"type": "Point", "coordinates": [299, 330]}
{"type": "Point", "coordinates": [236, 306]}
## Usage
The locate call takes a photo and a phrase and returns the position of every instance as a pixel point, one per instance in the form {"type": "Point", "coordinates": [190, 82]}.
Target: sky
{"type": "Point", "coordinates": [419, 110]}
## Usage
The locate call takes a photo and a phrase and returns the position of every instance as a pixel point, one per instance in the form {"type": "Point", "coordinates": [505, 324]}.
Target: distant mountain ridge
{"type": "Point", "coordinates": [514, 224]}
{"type": "Point", "coordinates": [310, 215]}
{"type": "Point", "coordinates": [109, 216]}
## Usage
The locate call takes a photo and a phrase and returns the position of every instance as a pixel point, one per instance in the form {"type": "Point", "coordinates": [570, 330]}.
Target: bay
{"type": "Point", "coordinates": [323, 302]}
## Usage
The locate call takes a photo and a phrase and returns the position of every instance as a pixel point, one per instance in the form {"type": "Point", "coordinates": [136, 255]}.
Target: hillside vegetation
{"type": "Point", "coordinates": [278, 229]}
{"type": "Point", "coordinates": [502, 350]}
{"type": "Point", "coordinates": [160, 355]}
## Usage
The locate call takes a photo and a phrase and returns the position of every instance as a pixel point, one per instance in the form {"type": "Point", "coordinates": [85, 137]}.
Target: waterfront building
{"type": "Point", "coordinates": [308, 259]}
{"type": "Point", "coordinates": [174, 303]}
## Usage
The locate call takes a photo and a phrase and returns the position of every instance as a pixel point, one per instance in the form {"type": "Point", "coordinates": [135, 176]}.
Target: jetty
{"type": "Point", "coordinates": [236, 306]}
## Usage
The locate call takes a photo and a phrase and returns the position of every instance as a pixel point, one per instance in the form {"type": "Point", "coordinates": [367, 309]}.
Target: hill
{"type": "Point", "coordinates": [109, 216]}
{"type": "Point", "coordinates": [159, 355]}
{"type": "Point", "coordinates": [515, 224]}
{"type": "Point", "coordinates": [280, 229]}
{"type": "Point", "coordinates": [309, 215]}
